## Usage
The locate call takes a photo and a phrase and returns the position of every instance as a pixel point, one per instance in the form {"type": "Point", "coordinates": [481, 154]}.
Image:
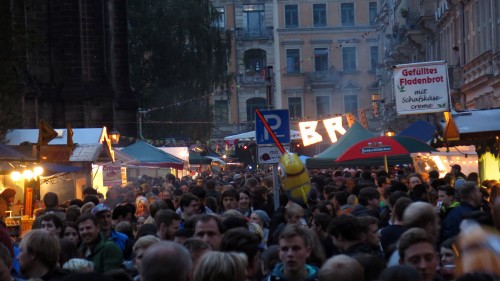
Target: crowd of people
{"type": "Point", "coordinates": [356, 225]}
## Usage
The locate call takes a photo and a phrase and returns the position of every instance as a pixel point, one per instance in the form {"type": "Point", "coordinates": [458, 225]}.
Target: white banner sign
{"type": "Point", "coordinates": [421, 88]}
{"type": "Point", "coordinates": [112, 175]}
{"type": "Point", "coordinates": [269, 154]}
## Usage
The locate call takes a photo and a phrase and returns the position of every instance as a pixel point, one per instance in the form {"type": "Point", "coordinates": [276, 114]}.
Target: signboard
{"type": "Point", "coordinates": [279, 121]}
{"type": "Point", "coordinates": [421, 88]}
{"type": "Point", "coordinates": [112, 175]}
{"type": "Point", "coordinates": [269, 154]}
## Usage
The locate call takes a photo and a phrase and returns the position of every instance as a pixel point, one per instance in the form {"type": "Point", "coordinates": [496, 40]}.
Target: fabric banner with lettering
{"type": "Point", "coordinates": [421, 88]}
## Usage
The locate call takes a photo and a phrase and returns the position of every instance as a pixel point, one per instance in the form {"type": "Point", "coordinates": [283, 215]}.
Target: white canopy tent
{"type": "Point", "coordinates": [250, 136]}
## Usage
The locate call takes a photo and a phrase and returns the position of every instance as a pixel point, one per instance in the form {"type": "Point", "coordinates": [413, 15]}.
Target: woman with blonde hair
{"type": "Point", "coordinates": [141, 207]}
{"type": "Point", "coordinates": [220, 266]}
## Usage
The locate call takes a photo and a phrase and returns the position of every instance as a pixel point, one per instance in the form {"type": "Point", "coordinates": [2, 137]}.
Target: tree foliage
{"type": "Point", "coordinates": [10, 102]}
{"type": "Point", "coordinates": [178, 57]}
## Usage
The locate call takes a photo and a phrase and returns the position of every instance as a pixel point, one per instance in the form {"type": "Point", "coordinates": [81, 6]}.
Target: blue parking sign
{"type": "Point", "coordinates": [279, 121]}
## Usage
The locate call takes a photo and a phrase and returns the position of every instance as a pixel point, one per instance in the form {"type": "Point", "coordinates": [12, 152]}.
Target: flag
{"type": "Point", "coordinates": [69, 135]}
{"type": "Point", "coordinates": [363, 120]}
{"type": "Point", "coordinates": [351, 119]}
{"type": "Point", "coordinates": [451, 131]}
{"type": "Point", "coordinates": [45, 133]}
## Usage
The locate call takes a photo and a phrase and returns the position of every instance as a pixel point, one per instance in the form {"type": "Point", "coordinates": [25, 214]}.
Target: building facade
{"type": "Point", "coordinates": [73, 63]}
{"type": "Point", "coordinates": [464, 33]}
{"type": "Point", "coordinates": [315, 58]}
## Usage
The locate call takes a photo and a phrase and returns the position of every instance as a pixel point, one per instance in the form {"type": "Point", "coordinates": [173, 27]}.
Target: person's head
{"type": "Point", "coordinates": [190, 205]}
{"type": "Point", "coordinates": [39, 253]}
{"type": "Point", "coordinates": [197, 248]}
{"type": "Point", "coordinates": [341, 268]}
{"type": "Point", "coordinates": [369, 226]}
{"type": "Point", "coordinates": [51, 223]}
{"type": "Point", "coordinates": [141, 206]}
{"type": "Point", "coordinates": [416, 249]}
{"type": "Point", "coordinates": [50, 200]}
{"type": "Point", "coordinates": [220, 266]}
{"type": "Point", "coordinates": [446, 252]}
{"type": "Point", "coordinates": [413, 180]}
{"type": "Point", "coordinates": [167, 223]}
{"type": "Point", "coordinates": [230, 198]}
{"type": "Point", "coordinates": [210, 229]}
{"type": "Point", "coordinates": [6, 263]}
{"type": "Point", "coordinates": [103, 214]}
{"type": "Point", "coordinates": [446, 194]}
{"type": "Point", "coordinates": [245, 200]}
{"type": "Point", "coordinates": [294, 249]}
{"type": "Point", "coordinates": [399, 208]}
{"type": "Point", "coordinates": [424, 216]}
{"type": "Point", "coordinates": [121, 213]}
{"type": "Point", "coordinates": [369, 197]}
{"type": "Point", "coordinates": [456, 169]}
{"type": "Point", "coordinates": [89, 230]}
{"type": "Point", "coordinates": [166, 258]}
{"type": "Point", "coordinates": [400, 272]}
{"type": "Point", "coordinates": [294, 213]}
{"type": "Point", "coordinates": [470, 193]}
{"type": "Point", "coordinates": [241, 240]}
{"type": "Point", "coordinates": [140, 247]}
{"type": "Point", "coordinates": [261, 218]}
{"type": "Point", "coordinates": [345, 230]}
{"type": "Point", "coordinates": [70, 232]}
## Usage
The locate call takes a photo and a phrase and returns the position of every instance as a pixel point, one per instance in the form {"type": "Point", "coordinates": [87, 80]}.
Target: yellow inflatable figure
{"type": "Point", "coordinates": [294, 177]}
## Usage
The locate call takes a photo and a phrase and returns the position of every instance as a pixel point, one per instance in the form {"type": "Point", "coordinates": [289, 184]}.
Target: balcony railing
{"type": "Point", "coordinates": [252, 79]}
{"type": "Point", "coordinates": [255, 33]}
{"type": "Point", "coordinates": [325, 78]}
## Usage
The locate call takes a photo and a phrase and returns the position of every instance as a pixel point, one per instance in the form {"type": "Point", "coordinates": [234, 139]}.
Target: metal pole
{"type": "Point", "coordinates": [276, 187]}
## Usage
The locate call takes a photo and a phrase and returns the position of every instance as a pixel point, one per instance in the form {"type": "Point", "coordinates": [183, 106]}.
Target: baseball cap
{"type": "Point", "coordinates": [236, 177]}
{"type": "Point", "coordinates": [456, 167]}
{"type": "Point", "coordinates": [100, 208]}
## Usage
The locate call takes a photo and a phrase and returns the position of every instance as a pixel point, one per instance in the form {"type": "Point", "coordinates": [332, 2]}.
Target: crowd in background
{"type": "Point", "coordinates": [356, 225]}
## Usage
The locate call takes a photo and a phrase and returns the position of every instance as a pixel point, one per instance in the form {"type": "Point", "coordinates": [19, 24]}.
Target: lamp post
{"type": "Point", "coordinates": [114, 136]}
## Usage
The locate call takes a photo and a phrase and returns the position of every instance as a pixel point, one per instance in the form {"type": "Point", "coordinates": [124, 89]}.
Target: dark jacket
{"type": "Point", "coordinates": [277, 273]}
{"type": "Point", "coordinates": [105, 255]}
{"type": "Point", "coordinates": [361, 210]}
{"type": "Point", "coordinates": [450, 226]}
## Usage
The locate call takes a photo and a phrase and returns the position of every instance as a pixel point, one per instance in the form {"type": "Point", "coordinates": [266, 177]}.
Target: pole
{"type": "Point", "coordinates": [269, 89]}
{"type": "Point", "coordinates": [276, 187]}
{"type": "Point", "coordinates": [385, 164]}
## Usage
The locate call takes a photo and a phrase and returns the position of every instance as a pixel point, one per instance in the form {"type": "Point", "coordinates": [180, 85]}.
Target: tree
{"type": "Point", "coordinates": [10, 103]}
{"type": "Point", "coordinates": [178, 57]}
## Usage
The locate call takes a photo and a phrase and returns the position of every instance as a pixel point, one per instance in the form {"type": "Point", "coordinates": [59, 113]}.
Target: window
{"type": "Point", "coordinates": [373, 57]}
{"type": "Point", "coordinates": [291, 16]}
{"type": "Point", "coordinates": [320, 59]}
{"type": "Point", "coordinates": [253, 20]}
{"type": "Point", "coordinates": [293, 61]}
{"type": "Point", "coordinates": [220, 22]}
{"type": "Point", "coordinates": [295, 107]}
{"type": "Point", "coordinates": [347, 14]}
{"type": "Point", "coordinates": [255, 61]}
{"type": "Point", "coordinates": [351, 104]}
{"type": "Point", "coordinates": [349, 58]}
{"type": "Point", "coordinates": [319, 15]}
{"type": "Point", "coordinates": [252, 105]}
{"type": "Point", "coordinates": [322, 105]}
{"type": "Point", "coordinates": [221, 111]}
{"type": "Point", "coordinates": [372, 12]}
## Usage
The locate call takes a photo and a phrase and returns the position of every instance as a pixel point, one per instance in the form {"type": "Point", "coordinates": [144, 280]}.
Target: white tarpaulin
{"type": "Point", "coordinates": [421, 88]}
{"type": "Point", "coordinates": [250, 136]}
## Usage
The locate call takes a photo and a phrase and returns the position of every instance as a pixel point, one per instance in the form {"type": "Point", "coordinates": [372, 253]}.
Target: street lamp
{"type": "Point", "coordinates": [390, 133]}
{"type": "Point", "coordinates": [114, 136]}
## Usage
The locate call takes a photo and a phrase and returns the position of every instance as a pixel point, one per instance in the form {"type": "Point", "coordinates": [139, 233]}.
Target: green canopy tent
{"type": "Point", "coordinates": [197, 159]}
{"type": "Point", "coordinates": [356, 133]}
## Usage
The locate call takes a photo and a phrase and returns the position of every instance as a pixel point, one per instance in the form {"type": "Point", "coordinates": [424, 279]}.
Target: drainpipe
{"type": "Point", "coordinates": [277, 58]}
{"type": "Point", "coordinates": [236, 70]}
